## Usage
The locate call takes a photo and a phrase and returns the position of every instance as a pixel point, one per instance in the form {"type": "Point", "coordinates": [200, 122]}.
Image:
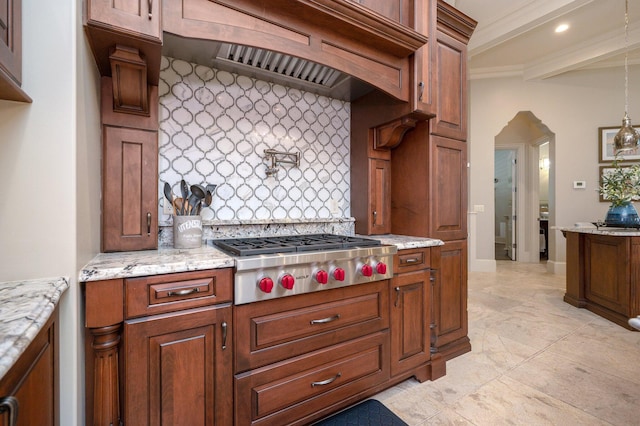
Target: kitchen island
{"type": "Point", "coordinates": [603, 272]}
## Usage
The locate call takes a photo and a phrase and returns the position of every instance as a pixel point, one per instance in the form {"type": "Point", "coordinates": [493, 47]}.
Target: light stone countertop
{"type": "Point", "coordinates": [106, 266]}
{"type": "Point", "coordinates": [603, 230]}
{"type": "Point", "coordinates": [25, 306]}
{"type": "Point", "coordinates": [404, 242]}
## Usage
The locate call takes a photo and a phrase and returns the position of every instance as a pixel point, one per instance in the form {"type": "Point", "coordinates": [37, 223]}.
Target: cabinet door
{"type": "Point", "coordinates": [129, 189]}
{"type": "Point", "coordinates": [32, 380]}
{"type": "Point", "coordinates": [380, 197]}
{"type": "Point", "coordinates": [607, 270]}
{"type": "Point", "coordinates": [448, 178]}
{"type": "Point", "coordinates": [139, 17]}
{"type": "Point", "coordinates": [422, 92]}
{"type": "Point", "coordinates": [178, 368]}
{"type": "Point", "coordinates": [451, 83]}
{"type": "Point", "coordinates": [451, 299]}
{"type": "Point", "coordinates": [11, 39]}
{"type": "Point", "coordinates": [410, 320]}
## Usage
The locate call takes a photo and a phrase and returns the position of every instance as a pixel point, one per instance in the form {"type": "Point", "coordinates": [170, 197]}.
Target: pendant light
{"type": "Point", "coordinates": [627, 137]}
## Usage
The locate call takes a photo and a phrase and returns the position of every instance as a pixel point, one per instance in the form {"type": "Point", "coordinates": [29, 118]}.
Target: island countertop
{"type": "Point", "coordinates": [25, 306]}
{"type": "Point", "coordinates": [603, 230]}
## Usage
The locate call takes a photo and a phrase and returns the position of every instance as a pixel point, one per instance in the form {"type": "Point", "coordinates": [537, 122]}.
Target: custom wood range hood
{"type": "Point", "coordinates": [341, 35]}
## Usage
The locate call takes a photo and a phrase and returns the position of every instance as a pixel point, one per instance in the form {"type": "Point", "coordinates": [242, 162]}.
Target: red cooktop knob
{"type": "Point", "coordinates": [338, 274]}
{"type": "Point", "coordinates": [266, 284]}
{"type": "Point", "coordinates": [287, 281]}
{"type": "Point", "coordinates": [381, 268]}
{"type": "Point", "coordinates": [366, 270]}
{"type": "Point", "coordinates": [322, 277]}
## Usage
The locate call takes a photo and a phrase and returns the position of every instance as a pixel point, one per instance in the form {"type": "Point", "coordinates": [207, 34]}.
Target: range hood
{"type": "Point", "coordinates": [266, 65]}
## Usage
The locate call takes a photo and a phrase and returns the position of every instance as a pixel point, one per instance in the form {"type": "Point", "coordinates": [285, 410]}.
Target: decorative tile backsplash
{"type": "Point", "coordinates": [215, 126]}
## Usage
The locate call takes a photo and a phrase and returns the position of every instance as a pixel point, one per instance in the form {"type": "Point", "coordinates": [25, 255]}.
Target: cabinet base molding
{"type": "Point", "coordinates": [455, 348]}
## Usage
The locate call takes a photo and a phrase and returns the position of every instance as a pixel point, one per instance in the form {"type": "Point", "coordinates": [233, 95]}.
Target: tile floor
{"type": "Point", "coordinates": [535, 360]}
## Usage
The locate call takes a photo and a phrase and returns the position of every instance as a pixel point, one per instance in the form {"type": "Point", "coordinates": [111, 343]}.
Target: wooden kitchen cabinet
{"type": "Point", "coordinates": [423, 82]}
{"type": "Point", "coordinates": [178, 368]}
{"type": "Point", "coordinates": [136, 24]}
{"type": "Point", "coordinates": [32, 382]}
{"type": "Point", "coordinates": [450, 299]}
{"type": "Point", "coordinates": [129, 189]}
{"type": "Point", "coordinates": [399, 11]}
{"type": "Point", "coordinates": [410, 307]}
{"type": "Point", "coordinates": [159, 349]}
{"type": "Point", "coordinates": [11, 51]}
{"type": "Point", "coordinates": [429, 186]}
{"type": "Point", "coordinates": [300, 358]}
{"type": "Point", "coordinates": [129, 175]}
{"type": "Point", "coordinates": [453, 32]}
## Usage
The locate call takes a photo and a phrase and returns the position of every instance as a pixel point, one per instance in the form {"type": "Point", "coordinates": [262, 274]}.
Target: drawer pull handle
{"type": "Point", "coordinates": [184, 292]}
{"type": "Point", "coordinates": [326, 320]}
{"type": "Point", "coordinates": [150, 9]}
{"type": "Point", "coordinates": [224, 335]}
{"type": "Point", "coordinates": [397, 289]}
{"type": "Point", "coordinates": [326, 382]}
{"type": "Point", "coordinates": [421, 92]}
{"type": "Point", "coordinates": [412, 260]}
{"type": "Point", "coordinates": [10, 404]}
{"type": "Point", "coordinates": [148, 223]}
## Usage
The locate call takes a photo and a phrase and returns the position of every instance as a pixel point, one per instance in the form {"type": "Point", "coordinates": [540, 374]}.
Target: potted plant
{"type": "Point", "coordinates": [621, 186]}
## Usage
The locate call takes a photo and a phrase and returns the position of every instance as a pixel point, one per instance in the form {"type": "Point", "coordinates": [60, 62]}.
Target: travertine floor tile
{"type": "Point", "coordinates": [535, 360]}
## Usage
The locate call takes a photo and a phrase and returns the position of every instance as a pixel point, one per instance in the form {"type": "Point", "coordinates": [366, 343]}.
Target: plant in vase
{"type": "Point", "coordinates": [621, 186]}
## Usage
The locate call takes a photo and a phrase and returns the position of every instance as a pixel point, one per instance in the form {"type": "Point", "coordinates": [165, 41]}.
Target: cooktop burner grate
{"type": "Point", "coordinates": [291, 243]}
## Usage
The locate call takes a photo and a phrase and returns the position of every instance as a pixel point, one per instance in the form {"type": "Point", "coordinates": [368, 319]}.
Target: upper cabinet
{"type": "Point", "coordinates": [11, 51]}
{"type": "Point", "coordinates": [453, 32]}
{"type": "Point", "coordinates": [135, 24]}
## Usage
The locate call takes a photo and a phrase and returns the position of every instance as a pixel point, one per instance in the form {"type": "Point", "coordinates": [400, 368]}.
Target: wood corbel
{"type": "Point", "coordinates": [389, 135]}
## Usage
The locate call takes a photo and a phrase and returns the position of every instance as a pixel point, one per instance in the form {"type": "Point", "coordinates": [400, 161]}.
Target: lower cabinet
{"type": "Point", "coordinates": [410, 308]}
{"type": "Point", "coordinates": [159, 349]}
{"type": "Point", "coordinates": [177, 368]}
{"type": "Point", "coordinates": [450, 299]}
{"type": "Point", "coordinates": [30, 387]}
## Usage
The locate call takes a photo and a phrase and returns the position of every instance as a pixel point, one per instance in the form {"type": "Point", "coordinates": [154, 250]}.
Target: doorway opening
{"type": "Point", "coordinates": [524, 195]}
{"type": "Point", "coordinates": [505, 202]}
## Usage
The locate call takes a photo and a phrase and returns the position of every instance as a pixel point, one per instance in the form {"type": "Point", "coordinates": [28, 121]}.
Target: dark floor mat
{"type": "Point", "coordinates": [368, 413]}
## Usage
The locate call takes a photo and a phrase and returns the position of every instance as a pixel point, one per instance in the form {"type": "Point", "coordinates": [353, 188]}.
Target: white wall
{"type": "Point", "coordinates": [573, 106]}
{"type": "Point", "coordinates": [47, 215]}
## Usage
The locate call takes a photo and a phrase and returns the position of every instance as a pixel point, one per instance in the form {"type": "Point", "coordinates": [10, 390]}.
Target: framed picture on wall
{"type": "Point", "coordinates": [603, 171]}
{"type": "Point", "coordinates": [605, 146]}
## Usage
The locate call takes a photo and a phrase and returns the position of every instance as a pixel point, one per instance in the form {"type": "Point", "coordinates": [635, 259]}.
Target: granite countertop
{"type": "Point", "coordinates": [107, 266]}
{"type": "Point", "coordinates": [603, 230]}
{"type": "Point", "coordinates": [25, 306]}
{"type": "Point", "coordinates": [404, 242]}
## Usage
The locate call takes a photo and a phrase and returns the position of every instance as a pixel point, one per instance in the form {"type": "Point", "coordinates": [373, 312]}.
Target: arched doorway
{"type": "Point", "coordinates": [533, 146]}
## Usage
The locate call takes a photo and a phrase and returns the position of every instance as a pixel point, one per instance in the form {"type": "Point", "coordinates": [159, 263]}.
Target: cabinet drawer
{"type": "Point", "coordinates": [275, 330]}
{"type": "Point", "coordinates": [171, 292]}
{"type": "Point", "coordinates": [310, 386]}
{"type": "Point", "coordinates": [411, 260]}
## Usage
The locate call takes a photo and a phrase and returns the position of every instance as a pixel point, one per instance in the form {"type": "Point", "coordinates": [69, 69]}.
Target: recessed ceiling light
{"type": "Point", "coordinates": [562, 28]}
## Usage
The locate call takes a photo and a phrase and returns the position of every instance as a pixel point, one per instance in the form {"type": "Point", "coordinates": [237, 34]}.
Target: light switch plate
{"type": "Point", "coordinates": [167, 208]}
{"type": "Point", "coordinates": [579, 184]}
